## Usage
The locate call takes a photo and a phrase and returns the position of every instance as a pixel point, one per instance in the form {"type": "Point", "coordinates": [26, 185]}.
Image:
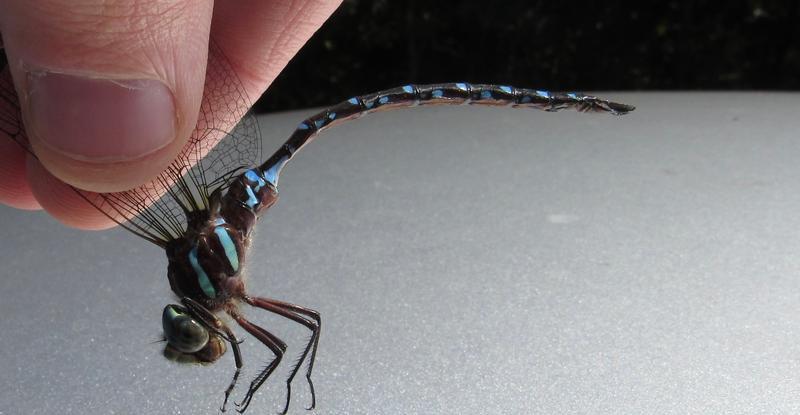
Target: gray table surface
{"type": "Point", "coordinates": [465, 260]}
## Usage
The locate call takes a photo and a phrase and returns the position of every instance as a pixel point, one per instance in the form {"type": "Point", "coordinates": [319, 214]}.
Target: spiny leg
{"type": "Point", "coordinates": [237, 357]}
{"type": "Point", "coordinates": [259, 380]}
{"type": "Point", "coordinates": [215, 324]}
{"type": "Point", "coordinates": [293, 312]}
{"type": "Point", "coordinates": [316, 317]}
{"type": "Point", "coordinates": [276, 345]}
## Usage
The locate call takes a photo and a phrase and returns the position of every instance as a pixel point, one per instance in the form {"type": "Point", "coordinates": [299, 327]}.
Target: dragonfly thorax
{"type": "Point", "coordinates": [205, 265]}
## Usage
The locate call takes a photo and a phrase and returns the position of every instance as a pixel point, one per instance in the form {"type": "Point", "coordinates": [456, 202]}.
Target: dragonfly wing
{"type": "Point", "coordinates": [227, 139]}
{"type": "Point", "coordinates": [10, 117]}
{"type": "Point", "coordinates": [157, 211]}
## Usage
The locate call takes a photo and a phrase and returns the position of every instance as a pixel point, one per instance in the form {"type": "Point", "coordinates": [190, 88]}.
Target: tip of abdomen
{"type": "Point", "coordinates": [601, 105]}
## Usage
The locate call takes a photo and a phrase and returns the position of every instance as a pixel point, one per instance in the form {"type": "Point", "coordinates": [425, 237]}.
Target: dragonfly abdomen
{"type": "Point", "coordinates": [458, 93]}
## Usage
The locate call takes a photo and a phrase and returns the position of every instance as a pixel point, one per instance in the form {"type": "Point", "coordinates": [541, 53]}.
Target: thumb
{"type": "Point", "coordinates": [109, 90]}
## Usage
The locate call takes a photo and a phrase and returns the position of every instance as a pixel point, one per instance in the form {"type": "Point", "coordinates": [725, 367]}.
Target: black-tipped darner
{"type": "Point", "coordinates": [203, 207]}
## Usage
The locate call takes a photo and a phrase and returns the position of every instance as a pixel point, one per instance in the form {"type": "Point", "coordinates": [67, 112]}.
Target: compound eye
{"type": "Point", "coordinates": [182, 331]}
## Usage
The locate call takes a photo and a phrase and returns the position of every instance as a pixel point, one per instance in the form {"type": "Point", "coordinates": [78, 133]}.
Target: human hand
{"type": "Point", "coordinates": [110, 91]}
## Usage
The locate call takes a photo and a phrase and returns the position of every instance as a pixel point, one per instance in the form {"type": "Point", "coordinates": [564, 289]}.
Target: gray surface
{"type": "Point", "coordinates": [465, 260]}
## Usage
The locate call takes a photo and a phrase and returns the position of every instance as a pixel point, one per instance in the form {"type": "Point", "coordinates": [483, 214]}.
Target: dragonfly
{"type": "Point", "coordinates": [203, 207]}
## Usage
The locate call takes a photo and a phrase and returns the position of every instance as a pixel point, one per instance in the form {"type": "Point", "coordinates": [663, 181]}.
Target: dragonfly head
{"type": "Point", "coordinates": [182, 332]}
{"type": "Point", "coordinates": [188, 340]}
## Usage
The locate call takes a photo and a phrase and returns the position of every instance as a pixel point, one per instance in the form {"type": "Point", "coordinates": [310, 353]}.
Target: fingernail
{"type": "Point", "coordinates": [100, 120]}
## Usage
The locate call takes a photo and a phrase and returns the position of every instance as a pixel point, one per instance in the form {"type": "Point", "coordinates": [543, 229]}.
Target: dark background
{"type": "Point", "coordinates": [368, 45]}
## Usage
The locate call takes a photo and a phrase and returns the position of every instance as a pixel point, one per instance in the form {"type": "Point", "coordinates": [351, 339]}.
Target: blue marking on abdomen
{"type": "Point", "coordinates": [228, 246]}
{"type": "Point", "coordinates": [409, 89]}
{"type": "Point", "coordinates": [506, 89]}
{"type": "Point", "coordinates": [202, 277]}
{"type": "Point", "coordinates": [271, 175]}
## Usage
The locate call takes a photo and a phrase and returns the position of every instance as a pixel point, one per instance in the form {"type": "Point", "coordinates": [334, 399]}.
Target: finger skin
{"type": "Point", "coordinates": [258, 46]}
{"type": "Point", "coordinates": [56, 197]}
{"type": "Point", "coordinates": [261, 41]}
{"type": "Point", "coordinates": [162, 40]}
{"type": "Point", "coordinates": [14, 188]}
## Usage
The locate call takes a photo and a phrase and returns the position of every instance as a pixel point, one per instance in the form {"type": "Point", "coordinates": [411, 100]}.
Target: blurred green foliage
{"type": "Point", "coordinates": [370, 45]}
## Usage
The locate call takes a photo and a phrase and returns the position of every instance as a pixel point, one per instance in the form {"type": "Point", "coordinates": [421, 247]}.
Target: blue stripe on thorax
{"type": "Point", "coordinates": [202, 277]}
{"type": "Point", "coordinates": [251, 201]}
{"type": "Point", "coordinates": [228, 246]}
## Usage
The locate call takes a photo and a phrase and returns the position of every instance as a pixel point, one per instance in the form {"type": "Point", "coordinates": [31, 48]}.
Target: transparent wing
{"type": "Point", "coordinates": [10, 118]}
{"type": "Point", "coordinates": [159, 210]}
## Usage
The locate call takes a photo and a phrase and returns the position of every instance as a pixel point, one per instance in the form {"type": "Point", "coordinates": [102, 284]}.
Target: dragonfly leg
{"type": "Point", "coordinates": [295, 313]}
{"type": "Point", "coordinates": [209, 320]}
{"type": "Point", "coordinates": [215, 324]}
{"type": "Point", "coordinates": [276, 345]}
{"type": "Point", "coordinates": [237, 357]}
